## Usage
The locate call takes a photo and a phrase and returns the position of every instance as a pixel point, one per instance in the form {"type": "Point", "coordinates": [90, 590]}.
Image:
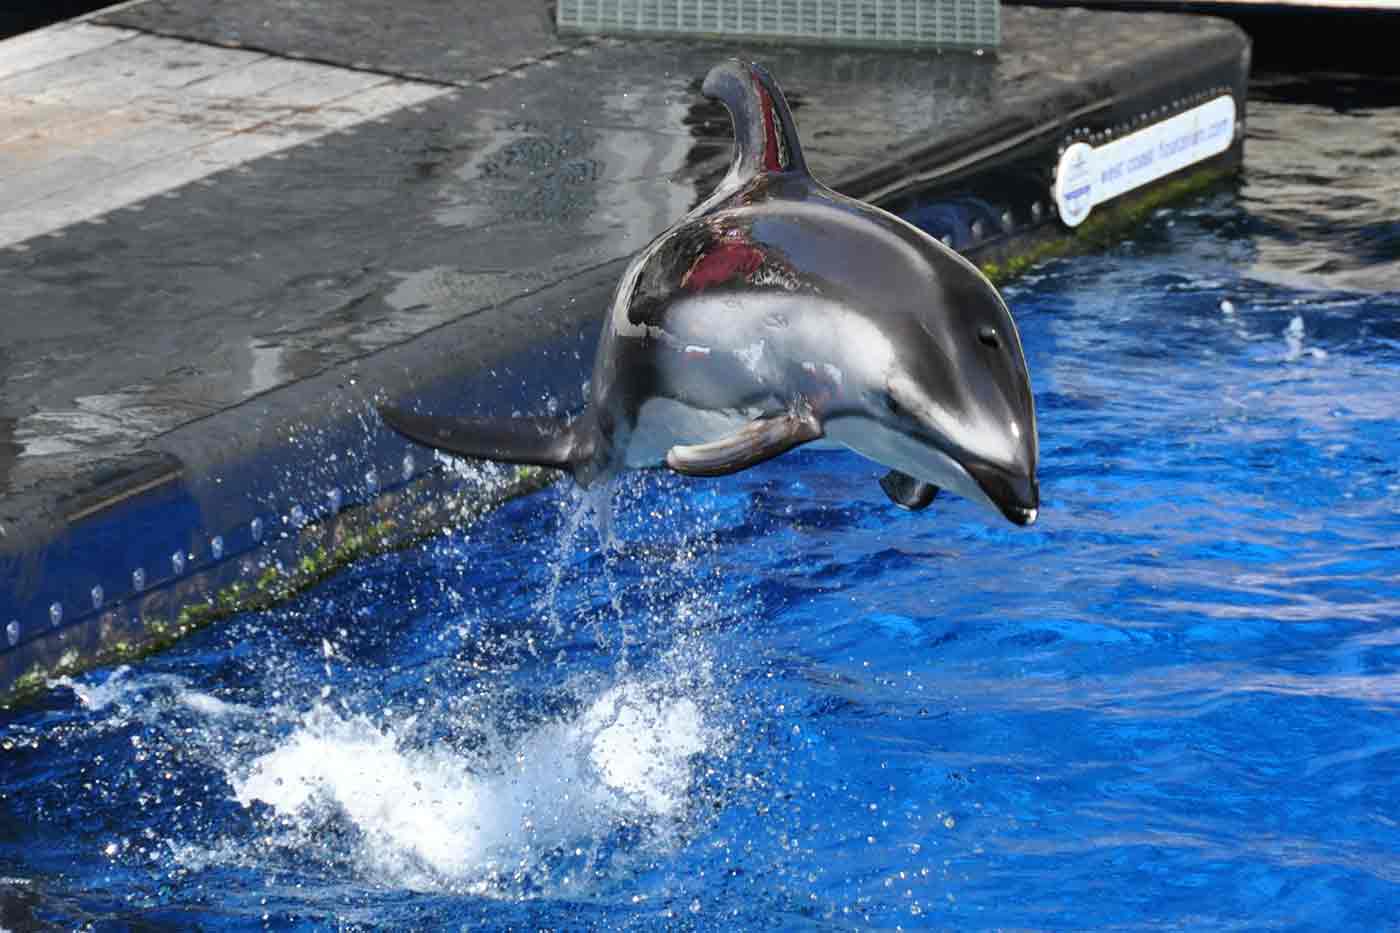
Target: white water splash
{"type": "Point", "coordinates": [211, 706]}
{"type": "Point", "coordinates": [593, 506]}
{"type": "Point", "coordinates": [117, 686]}
{"type": "Point", "coordinates": [120, 688]}
{"type": "Point", "coordinates": [1293, 343]}
{"type": "Point", "coordinates": [433, 817]}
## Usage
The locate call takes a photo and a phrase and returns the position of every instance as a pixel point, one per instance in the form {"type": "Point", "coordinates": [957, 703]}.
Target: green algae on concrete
{"type": "Point", "coordinates": [1104, 227]}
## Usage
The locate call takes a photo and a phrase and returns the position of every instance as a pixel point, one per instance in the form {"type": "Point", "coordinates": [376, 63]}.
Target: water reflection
{"type": "Point", "coordinates": [564, 177]}
{"type": "Point", "coordinates": [95, 422]}
{"type": "Point", "coordinates": [663, 202]}
{"type": "Point", "coordinates": [534, 173]}
{"type": "Point", "coordinates": [1321, 182]}
{"type": "Point", "coordinates": [265, 369]}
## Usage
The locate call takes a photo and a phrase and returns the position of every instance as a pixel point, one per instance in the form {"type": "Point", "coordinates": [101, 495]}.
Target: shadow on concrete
{"type": "Point", "coordinates": [19, 16]}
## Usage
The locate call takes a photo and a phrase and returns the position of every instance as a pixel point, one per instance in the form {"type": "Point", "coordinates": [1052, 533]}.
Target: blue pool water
{"type": "Point", "coordinates": [777, 702]}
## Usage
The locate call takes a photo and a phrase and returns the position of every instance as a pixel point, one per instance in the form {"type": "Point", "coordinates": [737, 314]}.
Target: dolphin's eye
{"type": "Point", "coordinates": [988, 337]}
{"type": "Point", "coordinates": [893, 405]}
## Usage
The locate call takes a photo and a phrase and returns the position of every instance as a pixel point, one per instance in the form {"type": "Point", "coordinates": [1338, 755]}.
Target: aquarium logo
{"type": "Point", "coordinates": [1088, 175]}
{"type": "Point", "coordinates": [1074, 183]}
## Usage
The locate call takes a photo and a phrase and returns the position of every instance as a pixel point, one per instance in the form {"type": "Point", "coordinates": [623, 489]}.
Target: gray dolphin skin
{"type": "Point", "coordinates": [779, 313]}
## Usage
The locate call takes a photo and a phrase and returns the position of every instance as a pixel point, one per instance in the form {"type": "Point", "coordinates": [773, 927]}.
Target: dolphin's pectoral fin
{"type": "Point", "coordinates": [759, 440]}
{"type": "Point", "coordinates": [907, 492]}
{"type": "Point", "coordinates": [533, 441]}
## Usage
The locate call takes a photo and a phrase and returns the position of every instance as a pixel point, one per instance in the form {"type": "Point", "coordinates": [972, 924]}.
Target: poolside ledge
{"type": "Point", "coordinates": [231, 225]}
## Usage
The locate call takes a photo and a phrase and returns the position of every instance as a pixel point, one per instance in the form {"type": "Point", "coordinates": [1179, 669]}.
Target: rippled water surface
{"type": "Point", "coordinates": [1321, 194]}
{"type": "Point", "coordinates": [777, 702]}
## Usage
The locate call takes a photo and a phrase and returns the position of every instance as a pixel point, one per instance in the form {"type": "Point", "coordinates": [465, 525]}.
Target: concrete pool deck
{"type": "Point", "coordinates": [229, 229]}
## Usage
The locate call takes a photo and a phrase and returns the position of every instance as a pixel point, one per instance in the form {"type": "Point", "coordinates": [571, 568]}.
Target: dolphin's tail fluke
{"type": "Point", "coordinates": [533, 441]}
{"type": "Point", "coordinates": [765, 138]}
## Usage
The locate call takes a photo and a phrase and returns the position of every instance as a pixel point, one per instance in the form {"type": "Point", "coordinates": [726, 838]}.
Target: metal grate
{"type": "Point", "coordinates": [937, 23]}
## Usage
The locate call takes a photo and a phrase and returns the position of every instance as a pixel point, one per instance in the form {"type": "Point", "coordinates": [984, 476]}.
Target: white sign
{"type": "Point", "coordinates": [1087, 176]}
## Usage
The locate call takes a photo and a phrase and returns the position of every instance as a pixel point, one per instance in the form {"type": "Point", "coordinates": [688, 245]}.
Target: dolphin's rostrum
{"type": "Point", "coordinates": [780, 313]}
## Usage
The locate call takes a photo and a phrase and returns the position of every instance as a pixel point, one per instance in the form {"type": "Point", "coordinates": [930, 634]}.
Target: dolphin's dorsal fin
{"type": "Point", "coordinates": [765, 138]}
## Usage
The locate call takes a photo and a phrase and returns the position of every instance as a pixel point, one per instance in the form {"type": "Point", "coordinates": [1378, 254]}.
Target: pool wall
{"type": "Point", "coordinates": [240, 506]}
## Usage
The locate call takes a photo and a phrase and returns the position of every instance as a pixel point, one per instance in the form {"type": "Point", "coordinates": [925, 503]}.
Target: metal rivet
{"type": "Point", "coordinates": [977, 229]}
{"type": "Point", "coordinates": [407, 467]}
{"type": "Point", "coordinates": [138, 579]}
{"type": "Point", "coordinates": [12, 632]}
{"type": "Point", "coordinates": [97, 597]}
{"type": "Point", "coordinates": [946, 239]}
{"type": "Point", "coordinates": [55, 613]}
{"type": "Point", "coordinates": [1037, 210]}
{"type": "Point", "coordinates": [216, 547]}
{"type": "Point", "coordinates": [1006, 219]}
{"type": "Point", "coordinates": [177, 562]}
{"type": "Point", "coordinates": [256, 525]}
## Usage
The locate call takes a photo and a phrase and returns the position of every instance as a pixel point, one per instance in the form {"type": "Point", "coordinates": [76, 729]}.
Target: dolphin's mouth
{"type": "Point", "coordinates": [1011, 492]}
{"type": "Point", "coordinates": [1015, 496]}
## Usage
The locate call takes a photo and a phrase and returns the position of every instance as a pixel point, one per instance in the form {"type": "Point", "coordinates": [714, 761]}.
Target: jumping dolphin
{"type": "Point", "coordinates": [779, 313]}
